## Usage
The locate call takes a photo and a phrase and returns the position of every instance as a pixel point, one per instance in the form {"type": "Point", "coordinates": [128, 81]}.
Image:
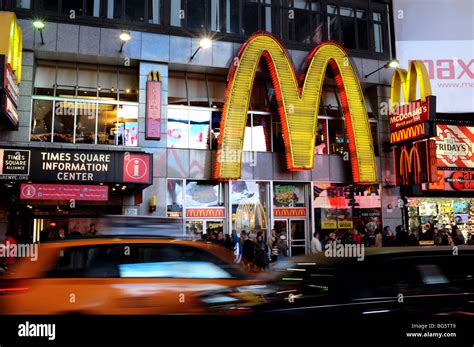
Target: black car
{"type": "Point", "coordinates": [387, 282]}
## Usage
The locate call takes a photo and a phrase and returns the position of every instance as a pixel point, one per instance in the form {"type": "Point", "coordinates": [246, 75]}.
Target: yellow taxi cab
{"type": "Point", "coordinates": [119, 275]}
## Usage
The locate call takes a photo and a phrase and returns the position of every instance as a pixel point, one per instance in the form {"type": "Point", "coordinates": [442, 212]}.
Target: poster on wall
{"type": "Point", "coordinates": [288, 195]}
{"type": "Point", "coordinates": [202, 194]}
{"type": "Point", "coordinates": [328, 218]}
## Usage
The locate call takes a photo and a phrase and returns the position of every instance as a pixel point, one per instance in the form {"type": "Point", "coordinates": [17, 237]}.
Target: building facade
{"type": "Point", "coordinates": [83, 104]}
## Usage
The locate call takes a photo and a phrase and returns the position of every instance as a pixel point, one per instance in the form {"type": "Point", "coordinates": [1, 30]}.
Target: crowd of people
{"type": "Point", "coordinates": [52, 234]}
{"type": "Point", "coordinates": [387, 238]}
{"type": "Point", "coordinates": [250, 249]}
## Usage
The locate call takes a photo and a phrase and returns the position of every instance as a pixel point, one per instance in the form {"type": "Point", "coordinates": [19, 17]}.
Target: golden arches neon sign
{"type": "Point", "coordinates": [298, 105]}
{"type": "Point", "coordinates": [407, 81]}
{"type": "Point", "coordinates": [11, 42]}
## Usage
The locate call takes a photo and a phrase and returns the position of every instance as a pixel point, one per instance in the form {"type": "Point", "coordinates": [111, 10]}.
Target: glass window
{"type": "Point", "coordinates": [197, 90]}
{"type": "Point", "coordinates": [337, 138]}
{"type": "Point", "coordinates": [114, 9]}
{"type": "Point", "coordinates": [177, 13]}
{"type": "Point", "coordinates": [107, 121]}
{"type": "Point", "coordinates": [66, 80]}
{"type": "Point", "coordinates": [108, 84]}
{"type": "Point", "coordinates": [85, 122]}
{"type": "Point", "coordinates": [232, 16]}
{"type": "Point", "coordinates": [217, 89]}
{"type": "Point", "coordinates": [135, 10]}
{"type": "Point", "coordinates": [87, 82]}
{"type": "Point", "coordinates": [321, 137]}
{"type": "Point", "coordinates": [154, 11]}
{"type": "Point", "coordinates": [199, 123]}
{"type": "Point", "coordinates": [128, 85]}
{"type": "Point", "coordinates": [196, 14]}
{"type": "Point", "coordinates": [64, 114]}
{"type": "Point", "coordinates": [261, 131]}
{"type": "Point", "coordinates": [215, 128]}
{"type": "Point", "coordinates": [204, 194]}
{"type": "Point", "coordinates": [51, 5]}
{"type": "Point", "coordinates": [362, 30]}
{"type": "Point", "coordinates": [23, 4]}
{"type": "Point", "coordinates": [249, 206]}
{"type": "Point", "coordinates": [177, 88]}
{"type": "Point", "coordinates": [127, 125]}
{"type": "Point", "coordinates": [45, 79]}
{"type": "Point", "coordinates": [41, 120]}
{"type": "Point", "coordinates": [249, 17]}
{"type": "Point", "coordinates": [174, 198]}
{"type": "Point", "coordinates": [378, 32]}
{"type": "Point", "coordinates": [348, 27]}
{"type": "Point", "coordinates": [178, 128]}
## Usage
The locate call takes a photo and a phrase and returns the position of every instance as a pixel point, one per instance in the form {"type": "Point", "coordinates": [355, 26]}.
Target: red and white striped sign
{"type": "Point", "coordinates": [455, 146]}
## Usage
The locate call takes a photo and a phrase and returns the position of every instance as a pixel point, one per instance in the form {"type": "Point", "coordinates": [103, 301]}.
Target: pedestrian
{"type": "Point", "coordinates": [261, 251]}
{"type": "Point", "coordinates": [275, 250]}
{"type": "Point", "coordinates": [92, 230]}
{"type": "Point", "coordinates": [227, 241]}
{"type": "Point", "coordinates": [237, 247]}
{"type": "Point", "coordinates": [247, 250]}
{"type": "Point", "coordinates": [330, 239]}
{"type": "Point", "coordinates": [273, 238]}
{"type": "Point", "coordinates": [61, 234]}
{"type": "Point", "coordinates": [9, 243]}
{"type": "Point", "coordinates": [388, 239]}
{"type": "Point", "coordinates": [378, 238]}
{"type": "Point", "coordinates": [220, 239]}
{"type": "Point", "coordinates": [316, 245]}
{"type": "Point", "coordinates": [412, 239]}
{"type": "Point", "coordinates": [283, 251]}
{"type": "Point", "coordinates": [356, 237]}
{"type": "Point", "coordinates": [401, 239]}
{"type": "Point", "coordinates": [427, 232]}
{"type": "Point", "coordinates": [74, 233]}
{"type": "Point", "coordinates": [458, 237]}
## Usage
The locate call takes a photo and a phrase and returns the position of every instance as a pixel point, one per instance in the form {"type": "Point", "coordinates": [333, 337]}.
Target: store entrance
{"type": "Point", "coordinates": [294, 231]}
{"type": "Point", "coordinates": [202, 228]}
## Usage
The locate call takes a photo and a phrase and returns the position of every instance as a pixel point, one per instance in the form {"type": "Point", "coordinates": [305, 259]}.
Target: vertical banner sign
{"type": "Point", "coordinates": [153, 106]}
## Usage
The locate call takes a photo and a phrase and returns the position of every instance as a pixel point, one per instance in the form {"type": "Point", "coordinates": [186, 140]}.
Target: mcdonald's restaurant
{"type": "Point", "coordinates": [229, 146]}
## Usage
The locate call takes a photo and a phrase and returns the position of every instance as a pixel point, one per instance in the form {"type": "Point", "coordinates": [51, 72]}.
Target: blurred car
{"type": "Point", "coordinates": [389, 282]}
{"type": "Point", "coordinates": [118, 275]}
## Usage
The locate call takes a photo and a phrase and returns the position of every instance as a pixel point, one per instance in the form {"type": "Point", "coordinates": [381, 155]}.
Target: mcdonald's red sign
{"type": "Point", "coordinates": [415, 163]}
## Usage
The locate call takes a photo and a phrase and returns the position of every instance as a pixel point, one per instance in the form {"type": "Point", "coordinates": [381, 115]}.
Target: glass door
{"type": "Point", "coordinates": [281, 227]}
{"type": "Point", "coordinates": [297, 237]}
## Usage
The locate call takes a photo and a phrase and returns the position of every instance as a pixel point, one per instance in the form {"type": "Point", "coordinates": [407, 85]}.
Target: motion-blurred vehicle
{"type": "Point", "coordinates": [389, 283]}
{"type": "Point", "coordinates": [118, 275]}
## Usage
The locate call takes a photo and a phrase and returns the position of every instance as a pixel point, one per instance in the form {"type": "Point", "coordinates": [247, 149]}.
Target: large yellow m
{"type": "Point", "coordinates": [298, 106]}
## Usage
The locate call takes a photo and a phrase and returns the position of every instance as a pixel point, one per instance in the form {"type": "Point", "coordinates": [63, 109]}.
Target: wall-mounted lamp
{"type": "Point", "coordinates": [124, 38]}
{"type": "Point", "coordinates": [38, 24]}
{"type": "Point", "coordinates": [204, 43]}
{"type": "Point", "coordinates": [152, 204]}
{"type": "Point", "coordinates": [390, 64]}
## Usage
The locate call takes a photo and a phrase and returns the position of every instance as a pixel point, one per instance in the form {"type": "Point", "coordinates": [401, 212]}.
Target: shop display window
{"type": "Point", "coordinates": [174, 198]}
{"type": "Point", "coordinates": [41, 121]}
{"type": "Point", "coordinates": [249, 206]}
{"type": "Point", "coordinates": [204, 194]}
{"type": "Point", "coordinates": [288, 195]}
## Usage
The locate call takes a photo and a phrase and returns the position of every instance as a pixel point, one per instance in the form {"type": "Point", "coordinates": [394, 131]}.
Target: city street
{"type": "Point", "coordinates": [266, 171]}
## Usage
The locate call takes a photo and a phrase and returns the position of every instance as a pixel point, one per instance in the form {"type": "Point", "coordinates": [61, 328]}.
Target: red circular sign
{"type": "Point", "coordinates": [136, 168]}
{"type": "Point", "coordinates": [28, 191]}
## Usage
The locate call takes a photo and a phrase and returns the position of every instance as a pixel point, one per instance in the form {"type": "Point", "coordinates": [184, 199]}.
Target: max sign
{"type": "Point", "coordinates": [298, 105]}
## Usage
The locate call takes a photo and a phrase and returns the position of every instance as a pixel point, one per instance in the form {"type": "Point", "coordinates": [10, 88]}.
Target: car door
{"type": "Point", "coordinates": [163, 278]}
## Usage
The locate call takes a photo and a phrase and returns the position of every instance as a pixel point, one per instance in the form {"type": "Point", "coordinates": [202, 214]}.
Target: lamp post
{"type": "Point", "coordinates": [204, 43]}
{"type": "Point", "coordinates": [124, 38]}
{"type": "Point", "coordinates": [38, 24]}
{"type": "Point", "coordinates": [390, 64]}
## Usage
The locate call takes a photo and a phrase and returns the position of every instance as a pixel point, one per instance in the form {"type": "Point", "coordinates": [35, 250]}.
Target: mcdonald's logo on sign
{"type": "Point", "coordinates": [298, 106]}
{"type": "Point", "coordinates": [416, 163]}
{"type": "Point", "coordinates": [289, 212]}
{"type": "Point", "coordinates": [414, 119]}
{"type": "Point", "coordinates": [417, 131]}
{"type": "Point", "coordinates": [205, 213]}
